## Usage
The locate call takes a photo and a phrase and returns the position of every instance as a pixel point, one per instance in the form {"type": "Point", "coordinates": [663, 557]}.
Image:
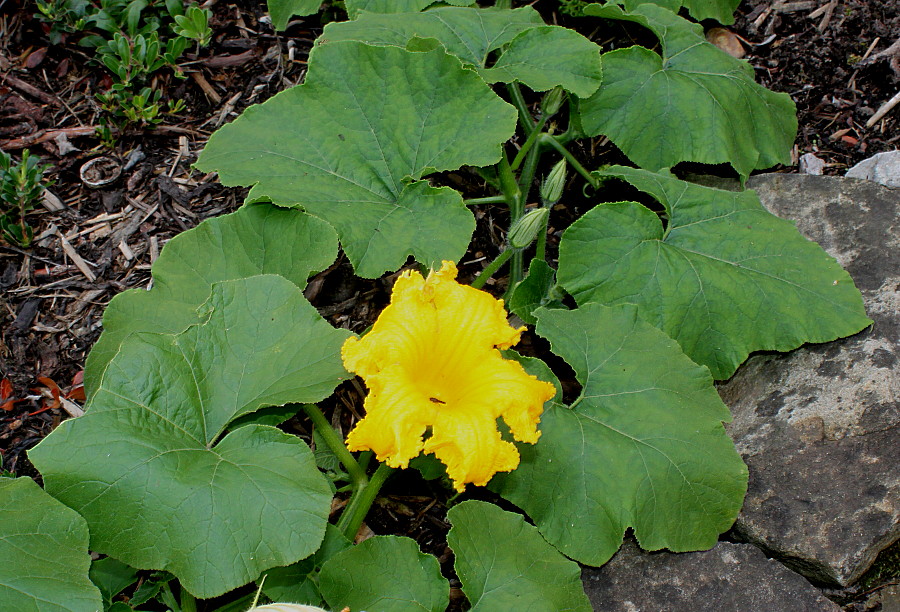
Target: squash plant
{"type": "Point", "coordinates": [178, 465]}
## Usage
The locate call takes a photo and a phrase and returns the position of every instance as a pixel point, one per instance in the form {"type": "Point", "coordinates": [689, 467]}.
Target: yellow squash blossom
{"type": "Point", "coordinates": [432, 360]}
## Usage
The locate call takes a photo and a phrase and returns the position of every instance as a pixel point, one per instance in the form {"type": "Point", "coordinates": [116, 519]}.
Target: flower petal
{"type": "Point", "coordinates": [466, 440]}
{"type": "Point", "coordinates": [512, 393]}
{"type": "Point", "coordinates": [397, 414]}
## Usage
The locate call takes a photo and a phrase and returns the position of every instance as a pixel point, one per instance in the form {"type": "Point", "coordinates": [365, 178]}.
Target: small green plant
{"type": "Point", "coordinates": [194, 24]}
{"type": "Point", "coordinates": [21, 185]}
{"type": "Point", "coordinates": [132, 61]}
{"type": "Point", "coordinates": [143, 107]}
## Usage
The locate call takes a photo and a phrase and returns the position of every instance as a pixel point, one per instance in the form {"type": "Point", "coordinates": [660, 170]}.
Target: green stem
{"type": "Point", "coordinates": [488, 272]}
{"type": "Point", "coordinates": [336, 445]}
{"type": "Point", "coordinates": [540, 252]}
{"type": "Point", "coordinates": [550, 140]}
{"type": "Point", "coordinates": [188, 603]}
{"type": "Point", "coordinates": [510, 187]}
{"type": "Point", "coordinates": [518, 100]}
{"type": "Point", "coordinates": [526, 178]}
{"type": "Point", "coordinates": [499, 199]}
{"type": "Point", "coordinates": [526, 146]}
{"type": "Point", "coordinates": [361, 500]}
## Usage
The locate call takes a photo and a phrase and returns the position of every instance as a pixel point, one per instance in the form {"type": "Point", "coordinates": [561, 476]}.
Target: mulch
{"type": "Point", "coordinates": [836, 58]}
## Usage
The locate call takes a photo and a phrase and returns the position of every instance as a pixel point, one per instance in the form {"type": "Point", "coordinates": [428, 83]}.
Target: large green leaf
{"type": "Point", "coordinates": [384, 573]}
{"type": "Point", "coordinates": [355, 7]}
{"type": "Point", "coordinates": [538, 55]}
{"type": "Point", "coordinates": [524, 573]}
{"type": "Point", "coordinates": [720, 10]}
{"type": "Point", "coordinates": [299, 581]}
{"type": "Point", "coordinates": [281, 11]}
{"type": "Point", "coordinates": [149, 468]}
{"type": "Point", "coordinates": [724, 278]}
{"type": "Point", "coordinates": [44, 552]}
{"type": "Point", "coordinates": [257, 239]}
{"type": "Point", "coordinates": [695, 103]}
{"type": "Point", "coordinates": [351, 144]}
{"type": "Point", "coordinates": [642, 447]}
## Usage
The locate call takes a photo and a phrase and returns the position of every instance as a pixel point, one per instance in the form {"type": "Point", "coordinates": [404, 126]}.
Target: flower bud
{"type": "Point", "coordinates": [526, 229]}
{"type": "Point", "coordinates": [552, 101]}
{"type": "Point", "coordinates": [552, 186]}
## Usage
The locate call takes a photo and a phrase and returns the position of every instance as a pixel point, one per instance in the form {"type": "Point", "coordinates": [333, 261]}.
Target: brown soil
{"type": "Point", "coordinates": [104, 240]}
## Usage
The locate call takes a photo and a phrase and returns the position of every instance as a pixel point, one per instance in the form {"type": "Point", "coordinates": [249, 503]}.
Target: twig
{"type": "Point", "coordinates": [884, 110]}
{"type": "Point", "coordinates": [31, 90]}
{"type": "Point", "coordinates": [80, 263]}
{"type": "Point", "coordinates": [893, 50]}
{"type": "Point", "coordinates": [852, 83]}
{"type": "Point", "coordinates": [211, 93]}
{"type": "Point", "coordinates": [829, 11]}
{"type": "Point", "coordinates": [45, 135]}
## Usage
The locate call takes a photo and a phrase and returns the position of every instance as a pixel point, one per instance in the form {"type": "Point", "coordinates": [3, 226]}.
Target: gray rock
{"type": "Point", "coordinates": [882, 168]}
{"type": "Point", "coordinates": [810, 164]}
{"type": "Point", "coordinates": [728, 578]}
{"type": "Point", "coordinates": [819, 427]}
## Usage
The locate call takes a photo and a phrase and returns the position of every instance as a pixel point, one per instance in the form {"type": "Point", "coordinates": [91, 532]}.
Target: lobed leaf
{"type": "Point", "coordinates": [720, 10]}
{"type": "Point", "coordinates": [724, 278]}
{"type": "Point", "coordinates": [299, 581]}
{"type": "Point", "coordinates": [151, 467]}
{"type": "Point", "coordinates": [642, 447]}
{"type": "Point", "coordinates": [524, 573]}
{"type": "Point", "coordinates": [352, 144]}
{"type": "Point", "coordinates": [281, 11]}
{"type": "Point", "coordinates": [44, 547]}
{"type": "Point", "coordinates": [693, 103]}
{"type": "Point", "coordinates": [257, 239]}
{"type": "Point", "coordinates": [355, 7]}
{"type": "Point", "coordinates": [531, 52]}
{"type": "Point", "coordinates": [384, 573]}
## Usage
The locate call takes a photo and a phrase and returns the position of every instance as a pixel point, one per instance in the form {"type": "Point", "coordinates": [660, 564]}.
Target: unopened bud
{"type": "Point", "coordinates": [552, 186]}
{"type": "Point", "coordinates": [525, 230]}
{"type": "Point", "coordinates": [552, 101]}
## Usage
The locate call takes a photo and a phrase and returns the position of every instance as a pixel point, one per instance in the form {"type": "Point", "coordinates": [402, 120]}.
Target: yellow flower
{"type": "Point", "coordinates": [432, 360]}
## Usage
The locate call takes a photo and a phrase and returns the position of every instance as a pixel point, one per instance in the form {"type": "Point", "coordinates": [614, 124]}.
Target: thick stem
{"type": "Point", "coordinates": [527, 145]}
{"type": "Point", "coordinates": [541, 248]}
{"type": "Point", "coordinates": [336, 445]}
{"type": "Point", "coordinates": [551, 141]}
{"type": "Point", "coordinates": [488, 272]}
{"type": "Point", "coordinates": [361, 500]}
{"type": "Point", "coordinates": [188, 603]}
{"type": "Point", "coordinates": [510, 188]}
{"type": "Point", "coordinates": [518, 100]}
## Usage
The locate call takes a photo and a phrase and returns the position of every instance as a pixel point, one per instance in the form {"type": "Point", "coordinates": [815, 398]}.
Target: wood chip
{"type": "Point", "coordinates": [80, 263]}
{"type": "Point", "coordinates": [51, 202]}
{"type": "Point", "coordinates": [208, 89]}
{"type": "Point", "coordinates": [71, 407]}
{"type": "Point", "coordinates": [154, 248]}
{"type": "Point", "coordinates": [826, 19]}
{"type": "Point", "coordinates": [126, 250]}
{"type": "Point", "coordinates": [793, 7]}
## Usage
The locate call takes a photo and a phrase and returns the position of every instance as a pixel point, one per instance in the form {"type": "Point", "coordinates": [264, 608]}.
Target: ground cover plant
{"type": "Point", "coordinates": [178, 465]}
